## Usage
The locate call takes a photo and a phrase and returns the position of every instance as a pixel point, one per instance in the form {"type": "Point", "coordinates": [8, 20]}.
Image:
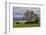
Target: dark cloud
{"type": "Point", "coordinates": [19, 11]}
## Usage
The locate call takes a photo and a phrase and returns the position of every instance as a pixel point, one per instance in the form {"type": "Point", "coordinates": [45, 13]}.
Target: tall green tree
{"type": "Point", "coordinates": [28, 14]}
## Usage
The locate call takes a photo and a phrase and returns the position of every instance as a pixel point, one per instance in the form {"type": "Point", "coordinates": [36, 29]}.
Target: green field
{"type": "Point", "coordinates": [21, 24]}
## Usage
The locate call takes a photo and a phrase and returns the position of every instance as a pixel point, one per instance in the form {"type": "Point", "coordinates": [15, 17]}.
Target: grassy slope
{"type": "Point", "coordinates": [24, 25]}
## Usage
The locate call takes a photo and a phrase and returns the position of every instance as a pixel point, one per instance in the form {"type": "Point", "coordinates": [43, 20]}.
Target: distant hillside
{"type": "Point", "coordinates": [18, 18]}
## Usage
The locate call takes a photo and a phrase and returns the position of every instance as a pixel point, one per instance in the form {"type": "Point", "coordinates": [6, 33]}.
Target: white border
{"type": "Point", "coordinates": [10, 28]}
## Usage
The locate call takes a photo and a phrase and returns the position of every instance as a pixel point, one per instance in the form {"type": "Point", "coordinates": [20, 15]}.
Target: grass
{"type": "Point", "coordinates": [24, 25]}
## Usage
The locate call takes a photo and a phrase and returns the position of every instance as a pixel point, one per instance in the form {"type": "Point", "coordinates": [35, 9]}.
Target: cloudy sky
{"type": "Point", "coordinates": [19, 11]}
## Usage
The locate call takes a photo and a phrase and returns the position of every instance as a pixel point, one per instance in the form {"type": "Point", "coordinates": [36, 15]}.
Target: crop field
{"type": "Point", "coordinates": [22, 24]}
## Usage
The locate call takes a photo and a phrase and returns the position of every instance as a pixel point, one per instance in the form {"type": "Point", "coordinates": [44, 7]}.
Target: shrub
{"type": "Point", "coordinates": [17, 22]}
